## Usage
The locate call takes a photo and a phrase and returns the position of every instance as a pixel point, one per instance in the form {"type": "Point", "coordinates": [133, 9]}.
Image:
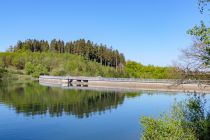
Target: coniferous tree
{"type": "Point", "coordinates": [87, 49]}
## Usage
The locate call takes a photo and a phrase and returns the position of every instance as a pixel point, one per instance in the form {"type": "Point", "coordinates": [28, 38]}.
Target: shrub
{"type": "Point", "coordinates": [40, 70]}
{"type": "Point", "coordinates": [29, 68]}
{"type": "Point", "coordinates": [36, 71]}
{"type": "Point", "coordinates": [165, 128]}
{"type": "Point", "coordinates": [187, 120]}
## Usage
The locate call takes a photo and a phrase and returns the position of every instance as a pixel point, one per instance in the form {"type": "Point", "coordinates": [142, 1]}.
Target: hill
{"type": "Point", "coordinates": [54, 64]}
{"type": "Point", "coordinates": [75, 58]}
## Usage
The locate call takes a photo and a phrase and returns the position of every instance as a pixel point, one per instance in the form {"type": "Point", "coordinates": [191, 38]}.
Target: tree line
{"type": "Point", "coordinates": [137, 70]}
{"type": "Point", "coordinates": [58, 64]}
{"type": "Point", "coordinates": [61, 64]}
{"type": "Point", "coordinates": [91, 51]}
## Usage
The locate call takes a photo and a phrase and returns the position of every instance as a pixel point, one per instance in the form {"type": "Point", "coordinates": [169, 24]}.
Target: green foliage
{"type": "Point", "coordinates": [5, 59]}
{"type": "Point", "coordinates": [197, 57]}
{"type": "Point", "coordinates": [36, 63]}
{"type": "Point", "coordinates": [35, 70]}
{"type": "Point", "coordinates": [60, 64]}
{"type": "Point", "coordinates": [137, 70]}
{"type": "Point", "coordinates": [58, 72]}
{"type": "Point", "coordinates": [1, 63]}
{"type": "Point", "coordinates": [79, 57]}
{"type": "Point", "coordinates": [165, 128]}
{"type": "Point", "coordinates": [200, 51]}
{"type": "Point", "coordinates": [39, 70]}
{"type": "Point", "coordinates": [18, 61]}
{"type": "Point", "coordinates": [201, 33]}
{"type": "Point", "coordinates": [29, 68]}
{"type": "Point", "coordinates": [187, 120]}
{"type": "Point", "coordinates": [87, 49]}
{"type": "Point", "coordinates": [196, 116]}
{"type": "Point", "coordinates": [2, 72]}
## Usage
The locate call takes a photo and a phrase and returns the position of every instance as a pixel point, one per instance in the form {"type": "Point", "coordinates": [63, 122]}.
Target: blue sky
{"type": "Point", "coordinates": [147, 31]}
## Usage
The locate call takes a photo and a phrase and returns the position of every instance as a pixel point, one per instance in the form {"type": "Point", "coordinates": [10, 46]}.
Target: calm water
{"type": "Point", "coordinates": [33, 112]}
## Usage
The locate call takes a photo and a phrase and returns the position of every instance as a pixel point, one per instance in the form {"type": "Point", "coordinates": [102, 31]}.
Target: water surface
{"type": "Point", "coordinates": [30, 111]}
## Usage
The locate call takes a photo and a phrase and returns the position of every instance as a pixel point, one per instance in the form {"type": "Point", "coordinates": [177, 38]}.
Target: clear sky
{"type": "Point", "coordinates": [147, 31]}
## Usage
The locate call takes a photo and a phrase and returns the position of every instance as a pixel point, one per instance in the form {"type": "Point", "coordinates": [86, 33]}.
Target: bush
{"type": "Point", "coordinates": [36, 71]}
{"type": "Point", "coordinates": [29, 68]}
{"type": "Point", "coordinates": [18, 62]}
{"type": "Point", "coordinates": [40, 70]}
{"type": "Point", "coordinates": [165, 128]}
{"type": "Point", "coordinates": [187, 120]}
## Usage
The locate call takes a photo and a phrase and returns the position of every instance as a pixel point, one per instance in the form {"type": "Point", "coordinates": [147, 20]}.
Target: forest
{"type": "Point", "coordinates": [47, 63]}
{"type": "Point", "coordinates": [76, 58]}
{"type": "Point", "coordinates": [87, 49]}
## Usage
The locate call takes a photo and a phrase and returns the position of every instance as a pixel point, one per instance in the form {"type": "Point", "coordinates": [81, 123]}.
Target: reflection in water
{"type": "Point", "coordinates": [34, 99]}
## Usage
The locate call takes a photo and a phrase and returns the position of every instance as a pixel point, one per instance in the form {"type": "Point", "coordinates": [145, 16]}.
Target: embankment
{"type": "Point", "coordinates": [126, 83]}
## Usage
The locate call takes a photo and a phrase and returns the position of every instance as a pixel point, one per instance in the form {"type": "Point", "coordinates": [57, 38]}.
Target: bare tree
{"type": "Point", "coordinates": [196, 59]}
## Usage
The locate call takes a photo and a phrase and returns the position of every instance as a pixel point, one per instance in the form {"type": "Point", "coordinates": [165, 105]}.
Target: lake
{"type": "Point", "coordinates": [30, 111]}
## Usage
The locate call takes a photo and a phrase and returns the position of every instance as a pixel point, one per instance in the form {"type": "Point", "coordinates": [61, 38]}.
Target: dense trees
{"type": "Point", "coordinates": [32, 45]}
{"type": "Point", "coordinates": [36, 63]}
{"type": "Point", "coordinates": [49, 63]}
{"type": "Point", "coordinates": [137, 70]}
{"type": "Point", "coordinates": [87, 49]}
{"type": "Point", "coordinates": [80, 57]}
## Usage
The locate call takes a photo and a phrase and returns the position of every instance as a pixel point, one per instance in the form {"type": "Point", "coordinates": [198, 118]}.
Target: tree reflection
{"type": "Point", "coordinates": [33, 99]}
